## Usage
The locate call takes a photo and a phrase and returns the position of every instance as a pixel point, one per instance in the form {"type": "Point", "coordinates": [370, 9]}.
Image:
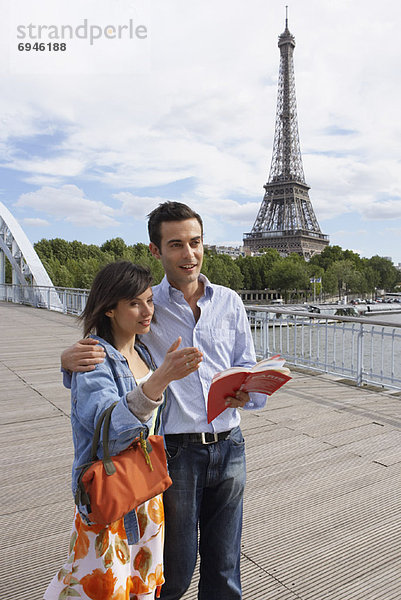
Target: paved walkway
{"type": "Point", "coordinates": [323, 501]}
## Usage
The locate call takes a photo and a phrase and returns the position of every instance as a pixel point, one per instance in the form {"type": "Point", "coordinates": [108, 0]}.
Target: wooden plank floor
{"type": "Point", "coordinates": [323, 499]}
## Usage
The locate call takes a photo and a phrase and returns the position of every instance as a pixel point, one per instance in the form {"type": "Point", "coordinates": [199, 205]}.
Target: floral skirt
{"type": "Point", "coordinates": [101, 564]}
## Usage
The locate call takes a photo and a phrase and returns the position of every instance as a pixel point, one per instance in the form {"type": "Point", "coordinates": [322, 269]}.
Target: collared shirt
{"type": "Point", "coordinates": [221, 333]}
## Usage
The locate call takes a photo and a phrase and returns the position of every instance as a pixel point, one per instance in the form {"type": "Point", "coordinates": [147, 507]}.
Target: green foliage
{"type": "Point", "coordinates": [223, 270]}
{"type": "Point", "coordinates": [74, 264]}
{"type": "Point", "coordinates": [117, 247]}
{"type": "Point", "coordinates": [256, 270]}
{"type": "Point", "coordinates": [342, 272]}
{"type": "Point", "coordinates": [58, 273]}
{"type": "Point", "coordinates": [290, 273]}
{"type": "Point", "coordinates": [388, 276]}
{"type": "Point", "coordinates": [8, 271]}
{"type": "Point", "coordinates": [329, 255]}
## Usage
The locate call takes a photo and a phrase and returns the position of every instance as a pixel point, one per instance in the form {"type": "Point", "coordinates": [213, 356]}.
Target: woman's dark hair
{"type": "Point", "coordinates": [116, 281]}
{"type": "Point", "coordinates": [169, 211]}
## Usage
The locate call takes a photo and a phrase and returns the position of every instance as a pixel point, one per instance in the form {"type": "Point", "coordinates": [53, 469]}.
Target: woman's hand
{"type": "Point", "coordinates": [177, 364]}
{"type": "Point", "coordinates": [180, 363]}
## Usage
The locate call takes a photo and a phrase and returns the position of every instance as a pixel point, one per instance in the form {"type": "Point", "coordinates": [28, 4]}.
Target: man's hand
{"type": "Point", "coordinates": [241, 398]}
{"type": "Point", "coordinates": [82, 356]}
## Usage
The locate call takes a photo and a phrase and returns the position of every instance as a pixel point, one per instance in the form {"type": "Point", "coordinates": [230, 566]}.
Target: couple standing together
{"type": "Point", "coordinates": [206, 461]}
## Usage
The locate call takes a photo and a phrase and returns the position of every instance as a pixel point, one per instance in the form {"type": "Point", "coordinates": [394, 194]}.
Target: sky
{"type": "Point", "coordinates": [176, 100]}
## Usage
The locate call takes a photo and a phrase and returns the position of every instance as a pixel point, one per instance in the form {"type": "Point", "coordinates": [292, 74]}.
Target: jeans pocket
{"type": "Point", "coordinates": [173, 450]}
{"type": "Point", "coordinates": [236, 438]}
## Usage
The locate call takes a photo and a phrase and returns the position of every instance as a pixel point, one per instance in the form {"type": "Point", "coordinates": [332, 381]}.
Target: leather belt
{"type": "Point", "coordinates": [198, 438]}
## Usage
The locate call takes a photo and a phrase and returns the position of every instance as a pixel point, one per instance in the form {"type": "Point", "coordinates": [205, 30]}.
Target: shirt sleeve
{"type": "Point", "coordinates": [244, 353]}
{"type": "Point", "coordinates": [140, 405]}
{"type": "Point", "coordinates": [67, 377]}
{"type": "Point", "coordinates": [92, 393]}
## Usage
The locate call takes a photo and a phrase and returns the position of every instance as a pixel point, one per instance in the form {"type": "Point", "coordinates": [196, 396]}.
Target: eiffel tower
{"type": "Point", "coordinates": [286, 220]}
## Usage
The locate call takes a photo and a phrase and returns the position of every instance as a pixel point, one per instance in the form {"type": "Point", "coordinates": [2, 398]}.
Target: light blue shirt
{"type": "Point", "coordinates": [222, 333]}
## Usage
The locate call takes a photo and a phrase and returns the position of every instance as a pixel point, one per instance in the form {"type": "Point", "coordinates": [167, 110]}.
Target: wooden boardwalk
{"type": "Point", "coordinates": [323, 500]}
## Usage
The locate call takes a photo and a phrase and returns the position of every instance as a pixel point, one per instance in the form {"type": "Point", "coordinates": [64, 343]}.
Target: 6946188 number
{"type": "Point", "coordinates": [42, 47]}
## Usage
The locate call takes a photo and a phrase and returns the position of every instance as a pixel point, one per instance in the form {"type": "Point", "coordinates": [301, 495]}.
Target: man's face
{"type": "Point", "coordinates": [181, 251]}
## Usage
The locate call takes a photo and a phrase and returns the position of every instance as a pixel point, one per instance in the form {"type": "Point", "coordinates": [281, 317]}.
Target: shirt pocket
{"type": "Point", "coordinates": [220, 338]}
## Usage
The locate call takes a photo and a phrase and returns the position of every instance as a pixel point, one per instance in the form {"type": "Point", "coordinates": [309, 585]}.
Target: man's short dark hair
{"type": "Point", "coordinates": [169, 211]}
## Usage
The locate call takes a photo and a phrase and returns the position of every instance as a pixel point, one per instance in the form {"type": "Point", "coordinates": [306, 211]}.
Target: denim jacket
{"type": "Point", "coordinates": [91, 394]}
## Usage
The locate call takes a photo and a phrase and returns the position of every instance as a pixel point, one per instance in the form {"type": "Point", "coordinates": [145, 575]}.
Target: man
{"type": "Point", "coordinates": [206, 461]}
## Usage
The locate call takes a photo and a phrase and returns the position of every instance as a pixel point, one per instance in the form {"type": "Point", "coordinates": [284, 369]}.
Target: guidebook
{"type": "Point", "coordinates": [266, 377]}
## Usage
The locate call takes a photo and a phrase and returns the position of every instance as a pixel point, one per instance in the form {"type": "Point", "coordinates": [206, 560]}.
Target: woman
{"type": "Point", "coordinates": [123, 560]}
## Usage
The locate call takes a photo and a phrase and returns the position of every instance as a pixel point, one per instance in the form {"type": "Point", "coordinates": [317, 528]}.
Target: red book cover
{"type": "Point", "coordinates": [265, 379]}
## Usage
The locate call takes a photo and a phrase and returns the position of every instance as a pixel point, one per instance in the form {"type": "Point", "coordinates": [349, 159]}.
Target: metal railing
{"type": "Point", "coordinates": [364, 350]}
{"type": "Point", "coordinates": [68, 300]}
{"type": "Point", "coordinates": [361, 349]}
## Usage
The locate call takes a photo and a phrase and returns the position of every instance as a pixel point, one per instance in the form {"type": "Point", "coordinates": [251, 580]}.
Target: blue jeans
{"type": "Point", "coordinates": [207, 492]}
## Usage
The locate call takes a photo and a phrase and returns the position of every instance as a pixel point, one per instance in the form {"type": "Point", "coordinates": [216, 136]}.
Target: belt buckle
{"type": "Point", "coordinates": [215, 438]}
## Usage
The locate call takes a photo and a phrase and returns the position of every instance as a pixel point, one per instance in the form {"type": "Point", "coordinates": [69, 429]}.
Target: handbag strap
{"type": "Point", "coordinates": [81, 496]}
{"type": "Point", "coordinates": [108, 464]}
{"type": "Point", "coordinates": [104, 420]}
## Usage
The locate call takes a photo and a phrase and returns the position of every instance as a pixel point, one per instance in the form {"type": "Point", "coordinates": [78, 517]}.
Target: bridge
{"type": "Point", "coordinates": [322, 502]}
{"type": "Point", "coordinates": [324, 461]}
{"type": "Point", "coordinates": [27, 269]}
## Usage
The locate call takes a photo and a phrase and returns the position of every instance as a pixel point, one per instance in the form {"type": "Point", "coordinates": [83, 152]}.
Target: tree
{"type": "Point", "coordinates": [221, 269]}
{"type": "Point", "coordinates": [291, 273]}
{"type": "Point", "coordinates": [243, 263]}
{"type": "Point", "coordinates": [326, 258]}
{"type": "Point", "coordinates": [372, 277]}
{"type": "Point", "coordinates": [343, 272]}
{"type": "Point", "coordinates": [266, 262]}
{"type": "Point", "coordinates": [329, 282]}
{"type": "Point", "coordinates": [388, 275]}
{"type": "Point", "coordinates": [60, 275]}
{"type": "Point", "coordinates": [44, 248]}
{"type": "Point", "coordinates": [116, 246]}
{"type": "Point", "coordinates": [74, 264]}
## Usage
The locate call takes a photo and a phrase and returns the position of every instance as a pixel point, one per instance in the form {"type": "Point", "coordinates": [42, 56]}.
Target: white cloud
{"type": "Point", "coordinates": [387, 209]}
{"type": "Point", "coordinates": [137, 207]}
{"type": "Point", "coordinates": [57, 167]}
{"type": "Point", "coordinates": [43, 180]}
{"type": "Point", "coordinates": [35, 222]}
{"type": "Point", "coordinates": [69, 203]}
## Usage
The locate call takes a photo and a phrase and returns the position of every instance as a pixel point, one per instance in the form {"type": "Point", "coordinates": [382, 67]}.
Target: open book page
{"type": "Point", "coordinates": [233, 370]}
{"type": "Point", "coordinates": [275, 362]}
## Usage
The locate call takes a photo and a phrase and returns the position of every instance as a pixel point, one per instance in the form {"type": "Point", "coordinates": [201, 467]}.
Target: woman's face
{"type": "Point", "coordinates": [131, 317]}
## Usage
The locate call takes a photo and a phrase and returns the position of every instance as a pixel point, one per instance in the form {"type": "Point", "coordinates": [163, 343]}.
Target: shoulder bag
{"type": "Point", "coordinates": [112, 487]}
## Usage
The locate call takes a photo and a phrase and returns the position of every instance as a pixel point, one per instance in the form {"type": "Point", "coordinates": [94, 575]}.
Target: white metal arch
{"type": "Point", "coordinates": [27, 268]}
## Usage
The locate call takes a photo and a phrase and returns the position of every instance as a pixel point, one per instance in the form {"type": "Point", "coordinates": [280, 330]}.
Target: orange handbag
{"type": "Point", "coordinates": [112, 487]}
